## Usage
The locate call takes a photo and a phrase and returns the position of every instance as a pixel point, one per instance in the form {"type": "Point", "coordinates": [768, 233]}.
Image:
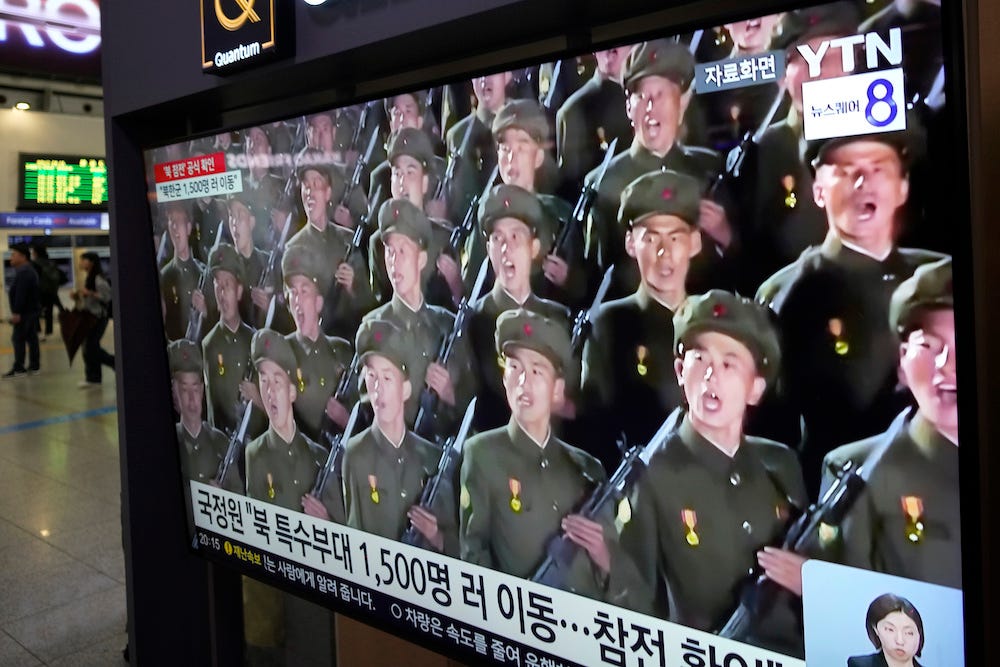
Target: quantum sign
{"type": "Point", "coordinates": [62, 181]}
{"type": "Point", "coordinates": [237, 33]}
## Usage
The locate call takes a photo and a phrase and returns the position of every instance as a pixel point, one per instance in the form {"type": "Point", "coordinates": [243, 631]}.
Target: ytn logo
{"type": "Point", "coordinates": [874, 45]}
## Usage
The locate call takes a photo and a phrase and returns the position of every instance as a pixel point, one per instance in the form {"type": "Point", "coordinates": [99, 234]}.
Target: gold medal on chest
{"type": "Point", "coordinates": [690, 520]}
{"type": "Point", "coordinates": [270, 486]}
{"type": "Point", "coordinates": [373, 485]}
{"type": "Point", "coordinates": [515, 492]}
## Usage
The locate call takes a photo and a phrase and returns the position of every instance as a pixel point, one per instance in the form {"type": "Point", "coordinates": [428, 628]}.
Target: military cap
{"type": "Point", "coordinates": [524, 115]}
{"type": "Point", "coordinates": [318, 161]}
{"type": "Point", "coordinates": [271, 345]}
{"type": "Point", "coordinates": [225, 258]}
{"type": "Point", "coordinates": [660, 192]}
{"type": "Point", "coordinates": [303, 259]}
{"type": "Point", "coordinates": [735, 316]}
{"type": "Point", "coordinates": [184, 357]}
{"type": "Point", "coordinates": [835, 19]}
{"type": "Point", "coordinates": [242, 198]}
{"type": "Point", "coordinates": [419, 95]}
{"type": "Point", "coordinates": [908, 143]}
{"type": "Point", "coordinates": [383, 338]}
{"type": "Point", "coordinates": [930, 287]}
{"type": "Point", "coordinates": [549, 336]}
{"type": "Point", "coordinates": [511, 201]}
{"type": "Point", "coordinates": [183, 206]}
{"type": "Point", "coordinates": [402, 217]}
{"type": "Point", "coordinates": [413, 142]}
{"type": "Point", "coordinates": [662, 57]}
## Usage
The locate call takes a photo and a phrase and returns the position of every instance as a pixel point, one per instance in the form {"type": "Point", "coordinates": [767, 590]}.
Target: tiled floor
{"type": "Point", "coordinates": [62, 571]}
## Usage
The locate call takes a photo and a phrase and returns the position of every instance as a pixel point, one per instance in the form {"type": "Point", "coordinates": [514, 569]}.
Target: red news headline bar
{"type": "Point", "coordinates": [203, 165]}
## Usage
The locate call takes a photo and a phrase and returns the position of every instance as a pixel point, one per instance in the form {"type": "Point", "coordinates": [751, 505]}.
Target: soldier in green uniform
{"type": "Point", "coordinates": [406, 233]}
{"type": "Point", "coordinates": [207, 213]}
{"type": "Point", "coordinates": [282, 464]}
{"type": "Point", "coordinates": [226, 347]}
{"type": "Point", "coordinates": [657, 81]}
{"type": "Point", "coordinates": [260, 185]}
{"type": "Point", "coordinates": [628, 375]}
{"type": "Point", "coordinates": [411, 160]}
{"type": "Point", "coordinates": [712, 497]}
{"type": "Point", "coordinates": [907, 521]}
{"type": "Point", "coordinates": [386, 465]}
{"type": "Point", "coordinates": [513, 222]}
{"type": "Point", "coordinates": [832, 303]}
{"type": "Point", "coordinates": [520, 483]}
{"type": "Point", "coordinates": [179, 278]}
{"type": "Point", "coordinates": [345, 282]}
{"type": "Point", "coordinates": [322, 359]}
{"type": "Point", "coordinates": [253, 260]}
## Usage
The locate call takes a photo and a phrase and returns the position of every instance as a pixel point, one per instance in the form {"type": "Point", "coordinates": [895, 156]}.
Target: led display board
{"type": "Point", "coordinates": [62, 182]}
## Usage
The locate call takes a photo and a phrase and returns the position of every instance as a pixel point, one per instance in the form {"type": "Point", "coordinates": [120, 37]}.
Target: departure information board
{"type": "Point", "coordinates": [62, 182]}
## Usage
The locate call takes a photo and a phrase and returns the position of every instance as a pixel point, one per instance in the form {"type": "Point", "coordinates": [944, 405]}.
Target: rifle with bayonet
{"type": "Point", "coordinates": [193, 332]}
{"type": "Point", "coordinates": [454, 157]}
{"type": "Point", "coordinates": [461, 232]}
{"type": "Point", "coordinates": [451, 454]}
{"type": "Point", "coordinates": [334, 460]}
{"type": "Point", "coordinates": [273, 257]}
{"type": "Point", "coordinates": [161, 250]}
{"type": "Point", "coordinates": [328, 429]}
{"type": "Point", "coordinates": [237, 440]}
{"type": "Point", "coordinates": [426, 425]}
{"type": "Point", "coordinates": [584, 204]}
{"type": "Point", "coordinates": [550, 94]}
{"type": "Point", "coordinates": [359, 170]}
{"type": "Point", "coordinates": [803, 537]}
{"type": "Point", "coordinates": [736, 156]}
{"type": "Point", "coordinates": [561, 551]}
{"type": "Point", "coordinates": [583, 324]}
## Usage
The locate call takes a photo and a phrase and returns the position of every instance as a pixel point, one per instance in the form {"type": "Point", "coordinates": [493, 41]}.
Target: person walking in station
{"type": "Point", "coordinates": [24, 309]}
{"type": "Point", "coordinates": [95, 298]}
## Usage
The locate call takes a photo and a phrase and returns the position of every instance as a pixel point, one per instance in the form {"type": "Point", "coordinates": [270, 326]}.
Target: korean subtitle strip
{"type": "Point", "coordinates": [486, 614]}
{"type": "Point", "coordinates": [739, 72]}
{"type": "Point", "coordinates": [214, 185]}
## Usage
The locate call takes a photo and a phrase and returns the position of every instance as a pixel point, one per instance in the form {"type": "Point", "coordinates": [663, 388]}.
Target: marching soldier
{"type": "Point", "coordinates": [657, 81]}
{"type": "Point", "coordinates": [520, 483]}
{"type": "Point", "coordinates": [832, 303]}
{"type": "Point", "coordinates": [332, 238]}
{"type": "Point", "coordinates": [253, 260]}
{"type": "Point", "coordinates": [322, 359]}
{"type": "Point", "coordinates": [513, 222]}
{"type": "Point", "coordinates": [776, 188]}
{"type": "Point", "coordinates": [591, 118]}
{"type": "Point", "coordinates": [386, 465]}
{"type": "Point", "coordinates": [261, 186]}
{"type": "Point", "coordinates": [712, 498]}
{"type": "Point", "coordinates": [628, 377]}
{"type": "Point", "coordinates": [411, 158]}
{"type": "Point", "coordinates": [179, 278]}
{"type": "Point", "coordinates": [282, 464]}
{"type": "Point", "coordinates": [406, 233]}
{"type": "Point", "coordinates": [907, 521]}
{"type": "Point", "coordinates": [226, 347]}
{"type": "Point", "coordinates": [207, 213]}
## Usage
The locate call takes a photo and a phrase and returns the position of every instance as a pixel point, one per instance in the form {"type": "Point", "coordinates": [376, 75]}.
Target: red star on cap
{"type": "Point", "coordinates": [813, 19]}
{"type": "Point", "coordinates": [527, 329]}
{"type": "Point", "coordinates": [506, 203]}
{"type": "Point", "coordinates": [718, 310]}
{"type": "Point", "coordinates": [654, 55]}
{"type": "Point", "coordinates": [267, 343]}
{"type": "Point", "coordinates": [395, 211]}
{"type": "Point", "coordinates": [667, 194]}
{"type": "Point", "coordinates": [378, 336]}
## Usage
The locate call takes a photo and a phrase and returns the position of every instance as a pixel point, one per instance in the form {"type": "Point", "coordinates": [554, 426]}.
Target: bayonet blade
{"type": "Point", "coordinates": [602, 291]}
{"type": "Point", "coordinates": [463, 430]}
{"type": "Point", "coordinates": [608, 156]}
{"type": "Point", "coordinates": [371, 146]}
{"type": "Point", "coordinates": [480, 281]}
{"type": "Point", "coordinates": [556, 70]}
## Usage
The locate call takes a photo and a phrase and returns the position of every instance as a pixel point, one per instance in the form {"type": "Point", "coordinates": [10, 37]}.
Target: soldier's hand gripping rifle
{"type": "Point", "coordinates": [359, 170]}
{"type": "Point", "coordinates": [329, 430]}
{"type": "Point", "coordinates": [426, 424]}
{"type": "Point", "coordinates": [583, 325]}
{"type": "Point", "coordinates": [461, 232]}
{"type": "Point", "coordinates": [454, 157]}
{"type": "Point", "coordinates": [195, 319]}
{"type": "Point", "coordinates": [237, 440]}
{"type": "Point", "coordinates": [803, 537]}
{"type": "Point", "coordinates": [451, 454]}
{"type": "Point", "coordinates": [585, 202]}
{"type": "Point", "coordinates": [334, 461]}
{"type": "Point", "coordinates": [736, 156]}
{"type": "Point", "coordinates": [273, 258]}
{"type": "Point", "coordinates": [334, 294]}
{"type": "Point", "coordinates": [561, 550]}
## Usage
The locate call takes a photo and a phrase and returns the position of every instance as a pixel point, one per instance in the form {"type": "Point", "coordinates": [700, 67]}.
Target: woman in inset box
{"type": "Point", "coordinates": [897, 631]}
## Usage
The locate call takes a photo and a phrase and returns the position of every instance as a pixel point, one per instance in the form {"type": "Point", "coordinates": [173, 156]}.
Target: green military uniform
{"type": "Point", "coordinates": [628, 378]}
{"type": "Point", "coordinates": [252, 265]}
{"type": "Point", "coordinates": [476, 164]}
{"type": "Point", "coordinates": [504, 201]}
{"type": "Point", "coordinates": [698, 515]}
{"type": "Point", "coordinates": [416, 144]}
{"type": "Point", "coordinates": [321, 362]}
{"type": "Point", "coordinates": [201, 452]}
{"type": "Point", "coordinates": [178, 279]}
{"type": "Point", "coordinates": [424, 329]}
{"type": "Point", "coordinates": [227, 359]}
{"type": "Point", "coordinates": [382, 480]}
{"type": "Point", "coordinates": [205, 219]}
{"type": "Point", "coordinates": [907, 520]}
{"type": "Point", "coordinates": [606, 234]}
{"type": "Point", "coordinates": [515, 493]}
{"type": "Point", "coordinates": [341, 314]}
{"type": "Point", "coordinates": [264, 195]}
{"type": "Point", "coordinates": [281, 472]}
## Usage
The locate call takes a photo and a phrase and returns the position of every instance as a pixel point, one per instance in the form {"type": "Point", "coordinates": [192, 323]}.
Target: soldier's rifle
{"type": "Point", "coordinates": [735, 158]}
{"type": "Point", "coordinates": [193, 332]}
{"type": "Point", "coordinates": [237, 440]}
{"type": "Point", "coordinates": [335, 459]}
{"type": "Point", "coordinates": [359, 170]}
{"type": "Point", "coordinates": [561, 550]}
{"type": "Point", "coordinates": [271, 265]}
{"type": "Point", "coordinates": [426, 424]}
{"type": "Point", "coordinates": [335, 292]}
{"type": "Point", "coordinates": [161, 250]}
{"type": "Point", "coordinates": [803, 537]}
{"type": "Point", "coordinates": [451, 454]}
{"type": "Point", "coordinates": [584, 204]}
{"type": "Point", "coordinates": [454, 157]}
{"type": "Point", "coordinates": [550, 95]}
{"type": "Point", "coordinates": [462, 231]}
{"type": "Point", "coordinates": [583, 324]}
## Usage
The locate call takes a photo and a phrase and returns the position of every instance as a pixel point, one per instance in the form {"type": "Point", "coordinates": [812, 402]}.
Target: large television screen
{"type": "Point", "coordinates": [644, 356]}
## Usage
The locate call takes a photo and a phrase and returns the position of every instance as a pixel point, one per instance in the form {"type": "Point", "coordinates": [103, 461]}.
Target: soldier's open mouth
{"type": "Point", "coordinates": [947, 392]}
{"type": "Point", "coordinates": [753, 26]}
{"type": "Point", "coordinates": [710, 401]}
{"type": "Point", "coordinates": [865, 211]}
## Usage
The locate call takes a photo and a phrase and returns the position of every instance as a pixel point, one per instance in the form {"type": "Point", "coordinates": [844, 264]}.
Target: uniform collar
{"type": "Point", "coordinates": [835, 250]}
{"type": "Point", "coordinates": [505, 301]}
{"type": "Point", "coordinates": [277, 443]}
{"type": "Point", "coordinates": [485, 116]}
{"type": "Point", "coordinates": [708, 454]}
{"type": "Point", "coordinates": [645, 300]}
{"type": "Point", "coordinates": [403, 310]}
{"type": "Point", "coordinates": [193, 436]}
{"type": "Point", "coordinates": [385, 445]}
{"type": "Point", "coordinates": [928, 439]}
{"type": "Point", "coordinates": [525, 442]}
{"type": "Point", "coordinates": [644, 158]}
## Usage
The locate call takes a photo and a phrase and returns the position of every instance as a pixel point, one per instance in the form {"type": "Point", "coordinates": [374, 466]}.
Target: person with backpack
{"type": "Point", "coordinates": [95, 298]}
{"type": "Point", "coordinates": [50, 279]}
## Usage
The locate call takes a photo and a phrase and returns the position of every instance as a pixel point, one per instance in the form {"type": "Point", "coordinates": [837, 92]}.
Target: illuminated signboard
{"type": "Point", "coordinates": [62, 182]}
{"type": "Point", "coordinates": [239, 33]}
{"type": "Point", "coordinates": [59, 38]}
